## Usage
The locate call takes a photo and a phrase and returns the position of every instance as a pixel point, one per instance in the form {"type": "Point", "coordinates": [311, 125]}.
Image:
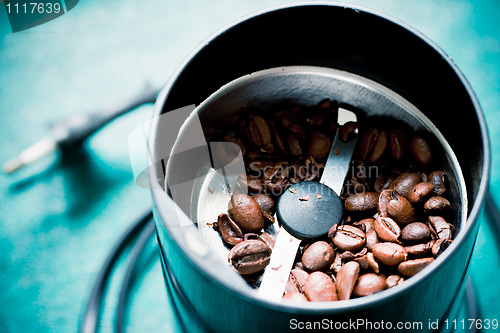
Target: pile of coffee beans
{"type": "Point", "coordinates": [396, 213]}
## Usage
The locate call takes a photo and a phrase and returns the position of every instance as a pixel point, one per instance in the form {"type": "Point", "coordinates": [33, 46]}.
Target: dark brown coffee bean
{"type": "Point", "coordinates": [347, 129]}
{"type": "Point", "coordinates": [416, 232]}
{"type": "Point", "coordinates": [320, 288]}
{"type": "Point", "coordinates": [245, 211]}
{"type": "Point", "coordinates": [371, 239]}
{"type": "Point", "coordinates": [318, 256]}
{"type": "Point", "coordinates": [398, 144]}
{"type": "Point", "coordinates": [436, 204]}
{"type": "Point", "coordinates": [393, 280]}
{"type": "Point", "coordinates": [420, 192]}
{"type": "Point", "coordinates": [387, 229]}
{"type": "Point", "coordinates": [395, 206]}
{"type": "Point", "coordinates": [267, 239]}
{"type": "Point", "coordinates": [421, 150]}
{"type": "Point", "coordinates": [440, 228]}
{"type": "Point", "coordinates": [249, 256]}
{"type": "Point", "coordinates": [296, 281]}
{"type": "Point", "coordinates": [412, 267]}
{"type": "Point", "coordinates": [294, 145]}
{"type": "Point", "coordinates": [404, 183]}
{"type": "Point", "coordinates": [229, 230]}
{"type": "Point", "coordinates": [440, 245]}
{"type": "Point", "coordinates": [361, 202]}
{"type": "Point", "coordinates": [379, 147]}
{"type": "Point", "coordinates": [346, 279]}
{"type": "Point", "coordinates": [389, 254]}
{"type": "Point", "coordinates": [365, 224]}
{"type": "Point", "coordinates": [259, 131]}
{"type": "Point", "coordinates": [278, 140]}
{"type": "Point", "coordinates": [265, 202]}
{"type": "Point", "coordinates": [252, 184]}
{"type": "Point", "coordinates": [368, 284]}
{"type": "Point", "coordinates": [382, 183]}
{"type": "Point", "coordinates": [372, 262]}
{"type": "Point", "coordinates": [420, 250]}
{"type": "Point", "coordinates": [295, 297]}
{"type": "Point", "coordinates": [349, 238]}
{"type": "Point", "coordinates": [372, 144]}
{"type": "Point", "coordinates": [318, 120]}
{"type": "Point", "coordinates": [319, 145]}
{"type": "Point", "coordinates": [298, 131]}
{"type": "Point", "coordinates": [275, 178]}
{"type": "Point", "coordinates": [230, 148]}
{"type": "Point", "coordinates": [436, 178]}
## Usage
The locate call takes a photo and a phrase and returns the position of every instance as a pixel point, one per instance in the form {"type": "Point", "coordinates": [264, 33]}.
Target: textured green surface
{"type": "Point", "coordinates": [59, 220]}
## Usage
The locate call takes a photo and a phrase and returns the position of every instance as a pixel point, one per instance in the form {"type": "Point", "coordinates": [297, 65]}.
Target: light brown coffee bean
{"type": "Point", "coordinates": [337, 263]}
{"type": "Point", "coordinates": [371, 239]}
{"type": "Point", "coordinates": [372, 262]}
{"type": "Point", "coordinates": [296, 281]}
{"type": "Point", "coordinates": [365, 224]}
{"type": "Point", "coordinates": [229, 230]}
{"type": "Point", "coordinates": [405, 182]}
{"type": "Point", "coordinates": [265, 202]}
{"type": "Point", "coordinates": [398, 144]}
{"type": "Point", "coordinates": [389, 254]}
{"type": "Point", "coordinates": [368, 284]}
{"type": "Point", "coordinates": [349, 238]}
{"type": "Point", "coordinates": [436, 204]}
{"type": "Point", "coordinates": [319, 145]}
{"type": "Point", "coordinates": [395, 206]}
{"type": "Point", "coordinates": [387, 229]}
{"type": "Point", "coordinates": [420, 192]}
{"type": "Point", "coordinates": [440, 228]}
{"type": "Point", "coordinates": [320, 288]}
{"type": "Point", "coordinates": [421, 150]}
{"type": "Point", "coordinates": [420, 250]}
{"type": "Point", "coordinates": [393, 280]}
{"type": "Point", "coordinates": [250, 183]}
{"type": "Point", "coordinates": [416, 232]}
{"type": "Point", "coordinates": [346, 279]}
{"type": "Point", "coordinates": [361, 202]}
{"type": "Point", "coordinates": [294, 297]}
{"type": "Point", "coordinates": [259, 131]}
{"type": "Point", "coordinates": [440, 245]}
{"type": "Point", "coordinates": [436, 178]}
{"type": "Point", "coordinates": [348, 255]}
{"type": "Point", "coordinates": [249, 256]}
{"type": "Point", "coordinates": [412, 267]}
{"type": "Point", "coordinates": [318, 256]}
{"type": "Point", "coordinates": [245, 211]}
{"type": "Point", "coordinates": [267, 239]}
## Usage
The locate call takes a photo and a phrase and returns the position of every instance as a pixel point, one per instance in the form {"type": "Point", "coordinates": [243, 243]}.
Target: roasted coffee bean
{"type": "Point", "coordinates": [436, 204]}
{"type": "Point", "coordinates": [412, 267]}
{"type": "Point", "coordinates": [371, 239]}
{"type": "Point", "coordinates": [363, 262]}
{"type": "Point", "coordinates": [420, 250]}
{"type": "Point", "coordinates": [265, 202]}
{"type": "Point", "coordinates": [393, 280]}
{"type": "Point", "coordinates": [254, 185]}
{"type": "Point", "coordinates": [372, 262]}
{"type": "Point", "coordinates": [278, 140]}
{"type": "Point", "coordinates": [440, 245]}
{"type": "Point", "coordinates": [296, 281]}
{"type": "Point", "coordinates": [421, 150]}
{"type": "Point", "coordinates": [337, 263]}
{"type": "Point", "coordinates": [348, 255]}
{"type": "Point", "coordinates": [404, 183]}
{"type": "Point", "coordinates": [230, 148]}
{"type": "Point", "coordinates": [347, 129]}
{"type": "Point", "coordinates": [365, 224]}
{"type": "Point", "coordinates": [267, 239]}
{"type": "Point", "coordinates": [275, 178]}
{"type": "Point", "coordinates": [295, 297]}
{"type": "Point", "coordinates": [382, 183]}
{"type": "Point", "coordinates": [440, 228]}
{"type": "Point", "coordinates": [372, 144]}
{"type": "Point", "coordinates": [416, 232]}
{"type": "Point", "coordinates": [245, 211]}
{"type": "Point", "coordinates": [349, 238]}
{"type": "Point", "coordinates": [249, 256]}
{"type": "Point", "coordinates": [395, 206]}
{"type": "Point", "coordinates": [361, 202]}
{"type": "Point", "coordinates": [320, 288]}
{"type": "Point", "coordinates": [298, 131]}
{"type": "Point", "coordinates": [318, 256]}
{"type": "Point", "coordinates": [420, 192]}
{"type": "Point", "coordinates": [389, 254]}
{"type": "Point", "coordinates": [368, 284]}
{"type": "Point", "coordinates": [387, 229]}
{"type": "Point", "coordinates": [259, 131]}
{"type": "Point", "coordinates": [398, 144]}
{"type": "Point", "coordinates": [318, 120]}
{"type": "Point", "coordinates": [294, 145]}
{"type": "Point", "coordinates": [229, 230]}
{"type": "Point", "coordinates": [346, 279]}
{"type": "Point", "coordinates": [319, 145]}
{"type": "Point", "coordinates": [436, 178]}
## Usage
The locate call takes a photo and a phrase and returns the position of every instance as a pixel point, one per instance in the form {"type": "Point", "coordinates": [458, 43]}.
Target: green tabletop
{"type": "Point", "coordinates": [60, 218]}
